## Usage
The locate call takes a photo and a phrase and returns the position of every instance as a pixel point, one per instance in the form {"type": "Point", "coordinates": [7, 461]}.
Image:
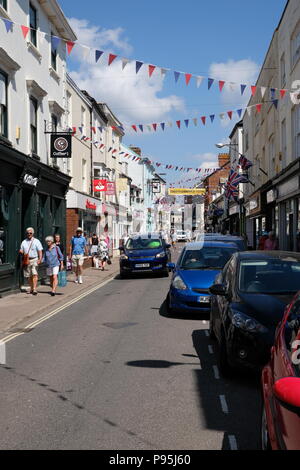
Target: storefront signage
{"type": "Point", "coordinates": [90, 205]}
{"type": "Point", "coordinates": [271, 196]}
{"type": "Point", "coordinates": [234, 210]}
{"type": "Point", "coordinates": [254, 204]}
{"type": "Point", "coordinates": [111, 188]}
{"type": "Point", "coordinates": [100, 185]}
{"type": "Point", "coordinates": [31, 180]}
{"type": "Point", "coordinates": [288, 187]}
{"type": "Point", "coordinates": [122, 184]}
{"type": "Point", "coordinates": [61, 146]}
{"type": "Point", "coordinates": [186, 191]}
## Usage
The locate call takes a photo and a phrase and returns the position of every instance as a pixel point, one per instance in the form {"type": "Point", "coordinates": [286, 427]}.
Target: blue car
{"type": "Point", "coordinates": [194, 273]}
{"type": "Point", "coordinates": [144, 253]}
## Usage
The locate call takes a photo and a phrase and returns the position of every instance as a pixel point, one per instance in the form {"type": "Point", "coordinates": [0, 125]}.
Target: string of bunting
{"type": "Point", "coordinates": [110, 58]}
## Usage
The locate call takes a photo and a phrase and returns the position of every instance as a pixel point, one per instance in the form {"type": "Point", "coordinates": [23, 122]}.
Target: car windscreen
{"type": "Point", "coordinates": [143, 244]}
{"type": "Point", "coordinates": [270, 276]}
{"type": "Point", "coordinates": [207, 258]}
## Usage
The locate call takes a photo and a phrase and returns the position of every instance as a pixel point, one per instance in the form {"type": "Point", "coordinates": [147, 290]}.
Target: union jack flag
{"type": "Point", "coordinates": [244, 163]}
{"type": "Point", "coordinates": [234, 179]}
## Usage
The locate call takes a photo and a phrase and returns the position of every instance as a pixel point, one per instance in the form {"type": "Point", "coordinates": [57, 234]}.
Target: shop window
{"type": "Point", "coordinates": [4, 217]}
{"type": "Point", "coordinates": [3, 104]}
{"type": "Point", "coordinates": [296, 131]}
{"type": "Point", "coordinates": [33, 24]}
{"type": "Point", "coordinates": [33, 125]}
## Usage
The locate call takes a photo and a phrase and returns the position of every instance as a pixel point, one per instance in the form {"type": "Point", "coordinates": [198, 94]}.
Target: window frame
{"type": "Point", "coordinates": [4, 108]}
{"type": "Point", "coordinates": [296, 131]}
{"type": "Point", "coordinates": [33, 128]}
{"type": "Point", "coordinates": [53, 54]}
{"type": "Point", "coordinates": [33, 25]}
{"type": "Point", "coordinates": [295, 54]}
{"type": "Point", "coordinates": [3, 4]}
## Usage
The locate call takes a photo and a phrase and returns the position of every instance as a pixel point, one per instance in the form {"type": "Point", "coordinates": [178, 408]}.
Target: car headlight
{"type": "Point", "coordinates": [123, 257]}
{"type": "Point", "coordinates": [160, 255]}
{"type": "Point", "coordinates": [179, 284]}
{"type": "Point", "coordinates": [242, 321]}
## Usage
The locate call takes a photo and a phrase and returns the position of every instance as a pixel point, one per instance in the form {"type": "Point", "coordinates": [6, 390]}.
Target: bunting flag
{"type": "Point", "coordinates": [134, 128]}
{"type": "Point", "coordinates": [253, 90]}
{"type": "Point", "coordinates": [282, 93]}
{"type": "Point", "coordinates": [199, 80]}
{"type": "Point", "coordinates": [125, 62]}
{"type": "Point", "coordinates": [138, 66]}
{"type": "Point", "coordinates": [8, 25]}
{"type": "Point", "coordinates": [111, 58]}
{"type": "Point", "coordinates": [195, 120]}
{"type": "Point", "coordinates": [186, 121]}
{"type": "Point", "coordinates": [275, 102]}
{"type": "Point", "coordinates": [188, 77]}
{"type": "Point", "coordinates": [263, 91]}
{"type": "Point", "coordinates": [243, 88]}
{"type": "Point", "coordinates": [98, 54]}
{"type": "Point", "coordinates": [70, 45]}
{"type": "Point", "coordinates": [203, 119]}
{"type": "Point", "coordinates": [25, 30]}
{"type": "Point", "coordinates": [221, 84]}
{"type": "Point", "coordinates": [154, 126]}
{"type": "Point", "coordinates": [212, 117]}
{"type": "Point", "coordinates": [229, 114]}
{"type": "Point", "coordinates": [258, 108]}
{"type": "Point", "coordinates": [55, 41]}
{"type": "Point", "coordinates": [210, 81]}
{"type": "Point", "coordinates": [176, 75]}
{"type": "Point", "coordinates": [110, 148]}
{"type": "Point", "coordinates": [141, 127]}
{"type": "Point", "coordinates": [163, 72]}
{"type": "Point", "coordinates": [178, 124]}
{"type": "Point", "coordinates": [162, 124]}
{"type": "Point", "coordinates": [239, 112]}
{"type": "Point", "coordinates": [151, 69]}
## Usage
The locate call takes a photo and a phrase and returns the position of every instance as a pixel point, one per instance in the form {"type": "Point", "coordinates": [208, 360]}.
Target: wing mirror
{"type": "Point", "coordinates": [218, 289]}
{"type": "Point", "coordinates": [171, 266]}
{"type": "Point", "coordinates": [287, 391]}
{"type": "Point", "coordinates": [168, 245]}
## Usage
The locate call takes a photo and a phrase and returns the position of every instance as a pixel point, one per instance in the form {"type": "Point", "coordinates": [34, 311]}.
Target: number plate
{"type": "Point", "coordinates": [144, 265]}
{"type": "Point", "coordinates": [204, 300]}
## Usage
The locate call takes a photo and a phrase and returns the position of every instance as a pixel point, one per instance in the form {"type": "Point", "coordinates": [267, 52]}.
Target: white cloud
{"type": "Point", "coordinates": [243, 71]}
{"type": "Point", "coordinates": [206, 160]}
{"type": "Point", "coordinates": [132, 97]}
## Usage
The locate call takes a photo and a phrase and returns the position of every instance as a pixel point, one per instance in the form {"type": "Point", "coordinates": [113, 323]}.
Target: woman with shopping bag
{"type": "Point", "coordinates": [53, 259]}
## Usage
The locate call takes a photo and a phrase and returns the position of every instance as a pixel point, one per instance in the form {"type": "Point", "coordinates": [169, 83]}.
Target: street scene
{"type": "Point", "coordinates": [149, 228]}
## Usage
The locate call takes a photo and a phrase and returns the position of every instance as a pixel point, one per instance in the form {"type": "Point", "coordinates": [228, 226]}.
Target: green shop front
{"type": "Point", "coordinates": [32, 194]}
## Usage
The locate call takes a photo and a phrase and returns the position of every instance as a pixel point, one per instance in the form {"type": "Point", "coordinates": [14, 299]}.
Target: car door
{"type": "Point", "coordinates": [221, 300]}
{"type": "Point", "coordinates": [286, 364]}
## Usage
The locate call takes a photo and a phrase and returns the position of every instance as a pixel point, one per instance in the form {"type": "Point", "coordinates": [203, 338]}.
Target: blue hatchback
{"type": "Point", "coordinates": [144, 253]}
{"type": "Point", "coordinates": [194, 273]}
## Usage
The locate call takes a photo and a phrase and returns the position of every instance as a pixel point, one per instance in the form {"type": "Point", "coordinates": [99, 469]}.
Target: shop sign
{"type": "Point", "coordinates": [90, 205]}
{"type": "Point", "coordinates": [254, 204]}
{"type": "Point", "coordinates": [61, 146]}
{"type": "Point", "coordinates": [271, 196]}
{"type": "Point", "coordinates": [31, 180]}
{"type": "Point", "coordinates": [111, 188]}
{"type": "Point", "coordinates": [122, 184]}
{"type": "Point", "coordinates": [100, 185]}
{"type": "Point", "coordinates": [186, 191]}
{"type": "Point", "coordinates": [288, 187]}
{"type": "Point", "coordinates": [234, 210]}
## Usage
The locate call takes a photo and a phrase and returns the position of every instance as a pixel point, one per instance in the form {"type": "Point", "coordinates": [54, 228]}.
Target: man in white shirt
{"type": "Point", "coordinates": [32, 254]}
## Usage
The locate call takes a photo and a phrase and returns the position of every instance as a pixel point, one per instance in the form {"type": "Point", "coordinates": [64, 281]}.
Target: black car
{"type": "Point", "coordinates": [144, 253]}
{"type": "Point", "coordinates": [248, 301]}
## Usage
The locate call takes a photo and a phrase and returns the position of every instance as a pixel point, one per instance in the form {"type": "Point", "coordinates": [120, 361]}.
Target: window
{"type": "Point", "coordinates": [3, 3]}
{"type": "Point", "coordinates": [3, 104]}
{"type": "Point", "coordinates": [272, 155]}
{"type": "Point", "coordinates": [283, 143]}
{"type": "Point", "coordinates": [83, 114]}
{"type": "Point", "coordinates": [68, 109]}
{"type": "Point", "coordinates": [295, 46]}
{"type": "Point", "coordinates": [33, 24]}
{"type": "Point", "coordinates": [296, 131]}
{"type": "Point", "coordinates": [282, 72]}
{"type": "Point", "coordinates": [53, 54]}
{"type": "Point", "coordinates": [246, 141]}
{"type": "Point", "coordinates": [33, 124]}
{"type": "Point", "coordinates": [84, 176]}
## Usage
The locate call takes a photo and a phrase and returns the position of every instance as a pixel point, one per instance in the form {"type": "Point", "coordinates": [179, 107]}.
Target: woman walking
{"type": "Point", "coordinates": [94, 241]}
{"type": "Point", "coordinates": [103, 252]}
{"type": "Point", "coordinates": [53, 259]}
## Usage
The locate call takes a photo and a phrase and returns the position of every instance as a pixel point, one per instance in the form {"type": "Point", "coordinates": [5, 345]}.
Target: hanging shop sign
{"type": "Point", "coordinates": [100, 185]}
{"type": "Point", "coordinates": [90, 205]}
{"type": "Point", "coordinates": [61, 146]}
{"type": "Point", "coordinates": [156, 187]}
{"type": "Point", "coordinates": [31, 180]}
{"type": "Point", "coordinates": [111, 188]}
{"type": "Point", "coordinates": [234, 210]}
{"type": "Point", "coordinates": [255, 204]}
{"type": "Point", "coordinates": [271, 196]}
{"type": "Point", "coordinates": [122, 184]}
{"type": "Point", "coordinates": [186, 191]}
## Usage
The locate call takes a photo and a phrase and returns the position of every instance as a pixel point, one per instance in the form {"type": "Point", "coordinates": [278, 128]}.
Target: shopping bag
{"type": "Point", "coordinates": [62, 278]}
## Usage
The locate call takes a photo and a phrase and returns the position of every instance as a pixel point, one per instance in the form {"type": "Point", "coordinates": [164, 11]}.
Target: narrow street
{"type": "Point", "coordinates": [112, 371]}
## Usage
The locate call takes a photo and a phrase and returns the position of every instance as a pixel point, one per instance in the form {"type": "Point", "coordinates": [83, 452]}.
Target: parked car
{"type": "Point", "coordinates": [183, 235]}
{"type": "Point", "coordinates": [144, 253]}
{"type": "Point", "coordinates": [239, 241]}
{"type": "Point", "coordinates": [194, 273]}
{"type": "Point", "coordinates": [248, 300]}
{"type": "Point", "coordinates": [280, 381]}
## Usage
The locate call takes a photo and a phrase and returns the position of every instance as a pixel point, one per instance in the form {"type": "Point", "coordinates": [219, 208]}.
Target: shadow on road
{"type": "Point", "coordinates": [242, 396]}
{"type": "Point", "coordinates": [163, 311]}
{"type": "Point", "coordinates": [156, 364]}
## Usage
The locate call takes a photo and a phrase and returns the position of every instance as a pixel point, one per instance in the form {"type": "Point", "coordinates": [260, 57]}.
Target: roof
{"type": "Point", "coordinates": [58, 19]}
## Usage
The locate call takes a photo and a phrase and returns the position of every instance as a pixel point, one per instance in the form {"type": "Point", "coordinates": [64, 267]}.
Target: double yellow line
{"type": "Point", "coordinates": [55, 312]}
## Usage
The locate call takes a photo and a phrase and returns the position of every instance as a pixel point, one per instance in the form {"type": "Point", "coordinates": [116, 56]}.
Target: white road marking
{"type": "Point", "coordinates": [216, 372]}
{"type": "Point", "coordinates": [56, 311]}
{"type": "Point", "coordinates": [224, 404]}
{"type": "Point", "coordinates": [2, 353]}
{"type": "Point", "coordinates": [232, 443]}
{"type": "Point", "coordinates": [210, 349]}
{"type": "Point", "coordinates": [206, 333]}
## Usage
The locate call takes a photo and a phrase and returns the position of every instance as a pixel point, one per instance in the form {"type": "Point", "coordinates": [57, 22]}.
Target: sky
{"type": "Point", "coordinates": [225, 40]}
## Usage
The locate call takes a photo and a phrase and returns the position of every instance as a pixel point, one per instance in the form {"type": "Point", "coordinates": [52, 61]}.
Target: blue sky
{"type": "Point", "coordinates": [222, 39]}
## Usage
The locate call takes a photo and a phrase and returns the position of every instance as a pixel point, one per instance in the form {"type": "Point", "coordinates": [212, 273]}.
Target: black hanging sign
{"type": "Point", "coordinates": [61, 146]}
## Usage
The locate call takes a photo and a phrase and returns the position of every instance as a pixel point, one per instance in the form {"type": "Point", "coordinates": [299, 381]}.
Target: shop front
{"type": "Point", "coordinates": [288, 214]}
{"type": "Point", "coordinates": [255, 219]}
{"type": "Point", "coordinates": [82, 211]}
{"type": "Point", "coordinates": [234, 219]}
{"type": "Point", "coordinates": [32, 194]}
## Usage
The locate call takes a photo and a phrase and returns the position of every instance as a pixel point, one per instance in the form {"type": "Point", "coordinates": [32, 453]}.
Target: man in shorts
{"type": "Point", "coordinates": [77, 252]}
{"type": "Point", "coordinates": [32, 249]}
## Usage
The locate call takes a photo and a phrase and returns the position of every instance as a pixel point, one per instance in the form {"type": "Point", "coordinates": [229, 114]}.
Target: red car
{"type": "Point", "coordinates": [281, 385]}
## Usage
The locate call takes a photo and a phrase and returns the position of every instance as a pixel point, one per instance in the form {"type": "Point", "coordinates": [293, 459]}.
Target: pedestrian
{"type": "Point", "coordinates": [173, 237]}
{"type": "Point", "coordinates": [53, 258]}
{"type": "Point", "coordinates": [271, 242]}
{"type": "Point", "coordinates": [108, 243]}
{"type": "Point", "coordinates": [103, 252]}
{"type": "Point", "coordinates": [32, 253]}
{"type": "Point", "coordinates": [94, 241]}
{"type": "Point", "coordinates": [261, 241]}
{"type": "Point", "coordinates": [58, 242]}
{"type": "Point", "coordinates": [77, 251]}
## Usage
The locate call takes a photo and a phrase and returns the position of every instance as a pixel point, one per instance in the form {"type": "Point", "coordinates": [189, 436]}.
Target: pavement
{"type": "Point", "coordinates": [15, 309]}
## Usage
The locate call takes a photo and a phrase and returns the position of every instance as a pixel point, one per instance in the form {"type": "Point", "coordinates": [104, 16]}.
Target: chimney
{"type": "Point", "coordinates": [223, 159]}
{"type": "Point", "coordinates": [136, 150]}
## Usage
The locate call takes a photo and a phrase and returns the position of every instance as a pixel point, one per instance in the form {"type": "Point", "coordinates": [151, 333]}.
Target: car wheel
{"type": "Point", "coordinates": [265, 440]}
{"type": "Point", "coordinates": [225, 368]}
{"type": "Point", "coordinates": [168, 305]}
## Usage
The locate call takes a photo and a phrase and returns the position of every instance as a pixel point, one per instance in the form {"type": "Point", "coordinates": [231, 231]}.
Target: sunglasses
{"type": "Point", "coordinates": [29, 233]}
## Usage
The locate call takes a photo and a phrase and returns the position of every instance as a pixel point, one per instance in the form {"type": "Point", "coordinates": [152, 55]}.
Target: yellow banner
{"type": "Point", "coordinates": [186, 191]}
{"type": "Point", "coordinates": [122, 184]}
